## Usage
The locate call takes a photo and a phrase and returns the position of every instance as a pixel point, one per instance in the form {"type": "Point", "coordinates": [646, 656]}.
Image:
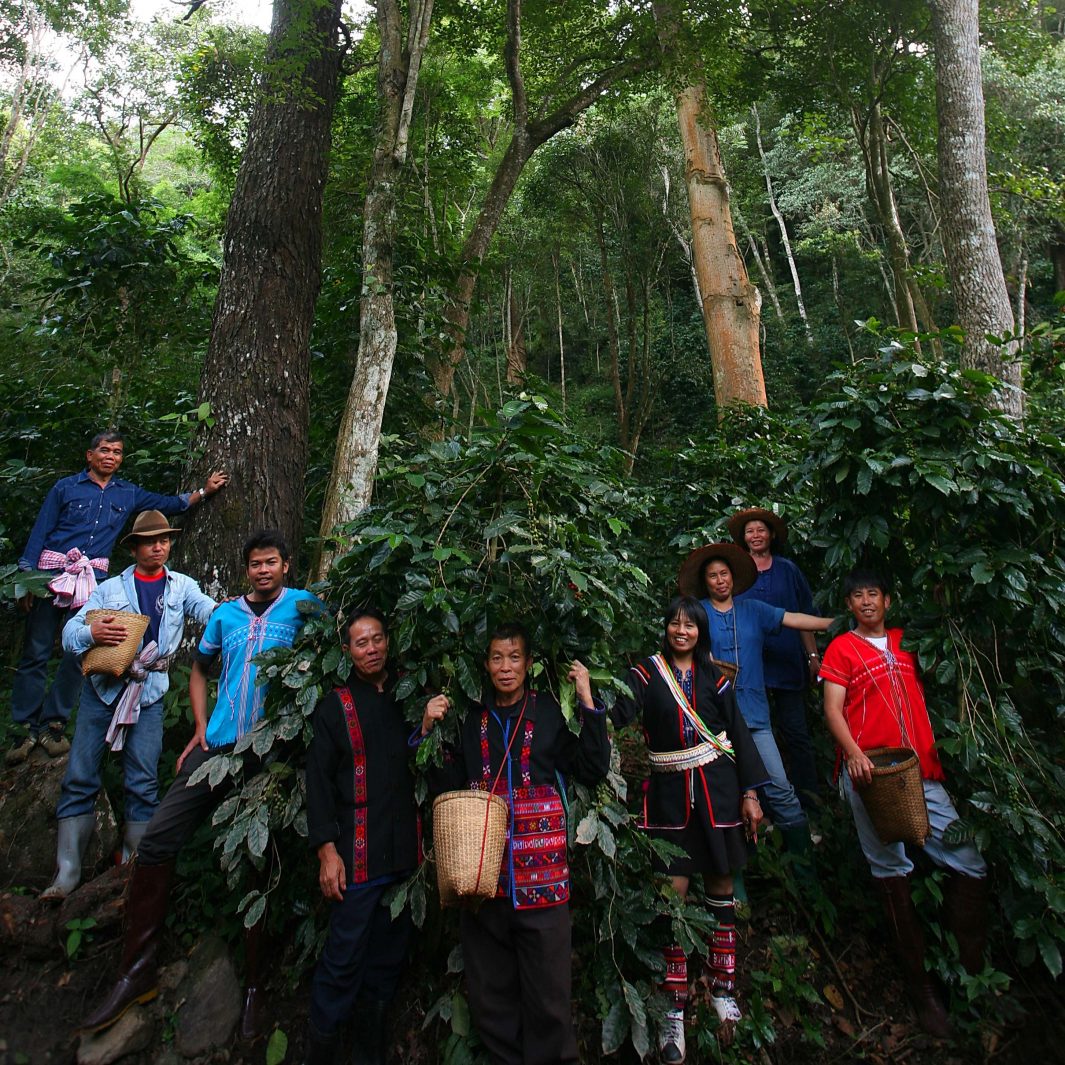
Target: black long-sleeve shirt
{"type": "Point", "coordinates": [360, 789]}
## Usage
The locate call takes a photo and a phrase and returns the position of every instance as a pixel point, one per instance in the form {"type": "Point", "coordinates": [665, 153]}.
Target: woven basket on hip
{"type": "Point", "coordinates": [115, 661]}
{"type": "Point", "coordinates": [895, 798]}
{"type": "Point", "coordinates": [469, 834]}
{"type": "Point", "coordinates": [727, 669]}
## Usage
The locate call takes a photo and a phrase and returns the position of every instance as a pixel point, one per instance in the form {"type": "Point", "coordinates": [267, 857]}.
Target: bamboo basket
{"type": "Point", "coordinates": [727, 669]}
{"type": "Point", "coordinates": [895, 798]}
{"type": "Point", "coordinates": [469, 836]}
{"type": "Point", "coordinates": [115, 661]}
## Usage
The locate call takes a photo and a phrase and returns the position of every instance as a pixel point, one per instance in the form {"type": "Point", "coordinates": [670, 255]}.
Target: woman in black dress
{"type": "Point", "coordinates": [701, 795]}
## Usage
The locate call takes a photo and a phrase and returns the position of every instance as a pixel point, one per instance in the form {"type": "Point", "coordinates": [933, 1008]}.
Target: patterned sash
{"type": "Point", "coordinates": [359, 860]}
{"type": "Point", "coordinates": [536, 835]}
{"type": "Point", "coordinates": [719, 742]}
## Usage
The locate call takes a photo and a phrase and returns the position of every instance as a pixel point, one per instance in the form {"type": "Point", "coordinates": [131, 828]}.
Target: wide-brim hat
{"type": "Point", "coordinates": [744, 571]}
{"type": "Point", "coordinates": [738, 523]}
{"type": "Point", "coordinates": [148, 523]}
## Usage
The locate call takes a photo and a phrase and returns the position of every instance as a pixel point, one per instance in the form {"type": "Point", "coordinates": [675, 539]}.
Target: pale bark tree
{"type": "Point", "coordinates": [785, 236]}
{"type": "Point", "coordinates": [355, 463]}
{"type": "Point", "coordinates": [973, 262]}
{"type": "Point", "coordinates": [514, 314]}
{"type": "Point", "coordinates": [528, 133]}
{"type": "Point", "coordinates": [256, 374]}
{"type": "Point", "coordinates": [731, 304]}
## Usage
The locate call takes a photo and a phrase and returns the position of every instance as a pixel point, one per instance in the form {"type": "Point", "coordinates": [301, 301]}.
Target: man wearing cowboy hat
{"type": "Point", "coordinates": [738, 628]}
{"type": "Point", "coordinates": [124, 713]}
{"type": "Point", "coordinates": [75, 530]}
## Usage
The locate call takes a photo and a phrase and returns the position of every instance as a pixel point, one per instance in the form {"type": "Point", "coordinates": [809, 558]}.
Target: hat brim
{"type": "Point", "coordinates": [744, 571]}
{"type": "Point", "coordinates": [738, 523]}
{"type": "Point", "coordinates": [131, 537]}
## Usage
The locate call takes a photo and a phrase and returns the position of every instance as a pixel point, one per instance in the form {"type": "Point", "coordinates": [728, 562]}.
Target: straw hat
{"type": "Point", "coordinates": [738, 522]}
{"type": "Point", "coordinates": [146, 524]}
{"type": "Point", "coordinates": [744, 571]}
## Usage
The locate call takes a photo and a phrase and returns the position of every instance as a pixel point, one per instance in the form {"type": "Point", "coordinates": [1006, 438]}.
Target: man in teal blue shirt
{"type": "Point", "coordinates": [268, 616]}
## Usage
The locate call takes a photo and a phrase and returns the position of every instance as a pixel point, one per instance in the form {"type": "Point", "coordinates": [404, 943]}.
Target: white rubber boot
{"type": "Point", "coordinates": [131, 839]}
{"type": "Point", "coordinates": [72, 836]}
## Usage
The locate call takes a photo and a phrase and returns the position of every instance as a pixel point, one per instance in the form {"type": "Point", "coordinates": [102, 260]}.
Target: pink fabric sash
{"type": "Point", "coordinates": [77, 582]}
{"type": "Point", "coordinates": [128, 710]}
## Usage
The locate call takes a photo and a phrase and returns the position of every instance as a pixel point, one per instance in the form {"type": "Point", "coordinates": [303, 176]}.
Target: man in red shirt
{"type": "Point", "coordinates": [874, 698]}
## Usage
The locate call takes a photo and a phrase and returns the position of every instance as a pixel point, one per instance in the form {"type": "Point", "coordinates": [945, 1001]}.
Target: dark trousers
{"type": "Point", "coordinates": [519, 976]}
{"type": "Point", "coordinates": [789, 717]}
{"type": "Point", "coordinates": [184, 809]}
{"type": "Point", "coordinates": [29, 707]}
{"type": "Point", "coordinates": [365, 952]}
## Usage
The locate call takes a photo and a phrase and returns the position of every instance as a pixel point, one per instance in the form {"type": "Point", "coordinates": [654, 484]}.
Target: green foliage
{"type": "Point", "coordinates": [79, 932]}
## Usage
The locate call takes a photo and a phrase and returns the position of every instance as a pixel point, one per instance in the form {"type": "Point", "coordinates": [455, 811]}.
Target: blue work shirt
{"type": "Point", "coordinates": [239, 634]}
{"type": "Point", "coordinates": [783, 655]}
{"type": "Point", "coordinates": [77, 512]}
{"type": "Point", "coordinates": [182, 599]}
{"type": "Point", "coordinates": [738, 635]}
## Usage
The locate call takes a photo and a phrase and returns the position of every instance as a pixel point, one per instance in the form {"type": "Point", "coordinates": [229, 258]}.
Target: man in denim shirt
{"type": "Point", "coordinates": [72, 537]}
{"type": "Point", "coordinates": [124, 713]}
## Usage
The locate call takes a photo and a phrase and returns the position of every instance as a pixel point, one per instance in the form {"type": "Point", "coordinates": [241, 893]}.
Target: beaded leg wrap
{"type": "Point", "coordinates": [721, 961]}
{"type": "Point", "coordinates": [675, 985]}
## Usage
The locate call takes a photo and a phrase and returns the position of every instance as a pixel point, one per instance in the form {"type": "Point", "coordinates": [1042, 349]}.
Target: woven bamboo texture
{"type": "Point", "coordinates": [895, 798]}
{"type": "Point", "coordinates": [469, 835]}
{"type": "Point", "coordinates": [115, 661]}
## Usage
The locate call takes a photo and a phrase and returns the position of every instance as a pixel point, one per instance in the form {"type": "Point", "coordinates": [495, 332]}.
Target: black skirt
{"type": "Point", "coordinates": [713, 851]}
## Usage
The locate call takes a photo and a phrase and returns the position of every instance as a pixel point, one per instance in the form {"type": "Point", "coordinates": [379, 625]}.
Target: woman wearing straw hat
{"type": "Point", "coordinates": [701, 796]}
{"type": "Point", "coordinates": [789, 658]}
{"type": "Point", "coordinates": [738, 629]}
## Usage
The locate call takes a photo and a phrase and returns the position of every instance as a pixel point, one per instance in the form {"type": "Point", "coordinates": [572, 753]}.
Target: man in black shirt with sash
{"type": "Point", "coordinates": [363, 824]}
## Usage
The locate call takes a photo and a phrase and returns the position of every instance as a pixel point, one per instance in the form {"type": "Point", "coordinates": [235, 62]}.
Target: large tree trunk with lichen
{"type": "Point", "coordinates": [355, 462]}
{"type": "Point", "coordinates": [979, 288]}
{"type": "Point", "coordinates": [731, 305]}
{"type": "Point", "coordinates": [256, 374]}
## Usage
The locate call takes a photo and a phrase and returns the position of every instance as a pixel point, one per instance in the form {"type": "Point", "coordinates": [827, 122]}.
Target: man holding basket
{"type": "Point", "coordinates": [124, 713]}
{"type": "Point", "coordinates": [874, 699]}
{"type": "Point", "coordinates": [517, 946]}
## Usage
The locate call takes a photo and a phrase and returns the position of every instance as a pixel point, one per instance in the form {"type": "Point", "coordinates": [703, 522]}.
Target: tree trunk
{"type": "Point", "coordinates": [782, 226]}
{"type": "Point", "coordinates": [731, 305]}
{"type": "Point", "coordinates": [973, 261]}
{"type": "Point", "coordinates": [355, 463]}
{"type": "Point", "coordinates": [256, 373]}
{"type": "Point", "coordinates": [517, 357]}
{"type": "Point", "coordinates": [528, 135]}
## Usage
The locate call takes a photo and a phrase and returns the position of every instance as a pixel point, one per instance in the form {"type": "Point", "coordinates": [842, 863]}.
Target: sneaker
{"type": "Point", "coordinates": [671, 1039]}
{"type": "Point", "coordinates": [727, 1009]}
{"type": "Point", "coordinates": [20, 749]}
{"type": "Point", "coordinates": [53, 740]}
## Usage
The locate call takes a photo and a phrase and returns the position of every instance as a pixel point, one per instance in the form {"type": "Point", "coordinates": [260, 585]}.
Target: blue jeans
{"type": "Point", "coordinates": [365, 952]}
{"type": "Point", "coordinates": [779, 794]}
{"type": "Point", "coordinates": [890, 859]}
{"type": "Point", "coordinates": [140, 759]}
{"type": "Point", "coordinates": [29, 707]}
{"type": "Point", "coordinates": [789, 716]}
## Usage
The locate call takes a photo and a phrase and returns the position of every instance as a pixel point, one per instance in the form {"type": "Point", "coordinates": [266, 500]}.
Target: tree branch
{"type": "Point", "coordinates": [512, 54]}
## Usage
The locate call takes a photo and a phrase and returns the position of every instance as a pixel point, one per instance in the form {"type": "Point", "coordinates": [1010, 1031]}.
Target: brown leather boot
{"type": "Point", "coordinates": [252, 1014]}
{"type": "Point", "coordinates": [146, 906]}
{"type": "Point", "coordinates": [909, 940]}
{"type": "Point", "coordinates": [966, 913]}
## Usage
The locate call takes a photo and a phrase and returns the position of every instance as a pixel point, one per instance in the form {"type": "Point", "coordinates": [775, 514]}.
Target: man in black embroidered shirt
{"type": "Point", "coordinates": [517, 946]}
{"type": "Point", "coordinates": [363, 824]}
